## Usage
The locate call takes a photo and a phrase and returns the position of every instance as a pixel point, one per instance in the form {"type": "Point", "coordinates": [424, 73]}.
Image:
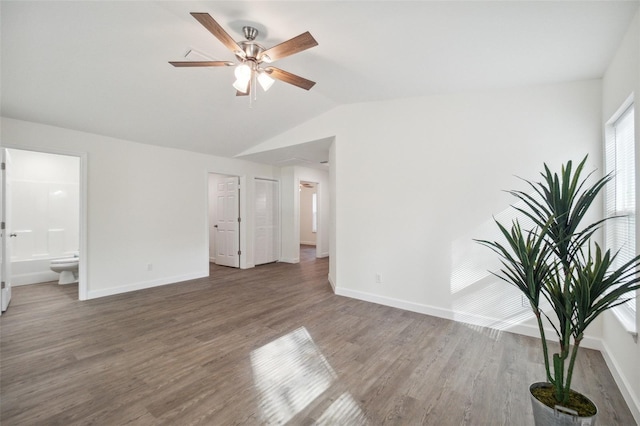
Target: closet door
{"type": "Point", "coordinates": [227, 227]}
{"type": "Point", "coordinates": [267, 221]}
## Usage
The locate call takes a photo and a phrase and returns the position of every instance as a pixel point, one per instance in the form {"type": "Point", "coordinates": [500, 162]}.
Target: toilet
{"type": "Point", "coordinates": [67, 268]}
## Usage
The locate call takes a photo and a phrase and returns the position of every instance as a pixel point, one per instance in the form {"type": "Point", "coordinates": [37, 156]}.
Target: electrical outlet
{"type": "Point", "coordinates": [525, 302]}
{"type": "Point", "coordinates": [149, 266]}
{"type": "Point", "coordinates": [378, 278]}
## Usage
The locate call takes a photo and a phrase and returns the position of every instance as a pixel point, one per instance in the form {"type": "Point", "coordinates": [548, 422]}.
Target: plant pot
{"type": "Point", "coordinates": [558, 416]}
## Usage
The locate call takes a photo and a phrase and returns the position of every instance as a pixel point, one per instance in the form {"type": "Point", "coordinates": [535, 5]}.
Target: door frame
{"type": "Point", "coordinates": [242, 229]}
{"type": "Point", "coordinates": [83, 219]}
{"type": "Point", "coordinates": [318, 221]}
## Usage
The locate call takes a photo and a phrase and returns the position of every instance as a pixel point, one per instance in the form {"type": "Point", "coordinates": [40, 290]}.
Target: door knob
{"type": "Point", "coordinates": [13, 235]}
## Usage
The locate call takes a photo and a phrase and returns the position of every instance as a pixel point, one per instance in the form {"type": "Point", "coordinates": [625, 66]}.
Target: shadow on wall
{"type": "Point", "coordinates": [478, 296]}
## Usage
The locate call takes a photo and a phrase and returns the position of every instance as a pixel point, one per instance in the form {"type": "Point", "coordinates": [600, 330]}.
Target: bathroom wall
{"type": "Point", "coordinates": [44, 211]}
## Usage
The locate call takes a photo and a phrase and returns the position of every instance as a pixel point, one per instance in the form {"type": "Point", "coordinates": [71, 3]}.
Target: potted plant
{"type": "Point", "coordinates": [557, 262]}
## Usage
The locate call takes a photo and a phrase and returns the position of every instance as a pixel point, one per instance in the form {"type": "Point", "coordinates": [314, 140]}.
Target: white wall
{"type": "Point", "coordinates": [146, 205]}
{"type": "Point", "coordinates": [417, 179]}
{"type": "Point", "coordinates": [622, 79]}
{"type": "Point", "coordinates": [435, 179]}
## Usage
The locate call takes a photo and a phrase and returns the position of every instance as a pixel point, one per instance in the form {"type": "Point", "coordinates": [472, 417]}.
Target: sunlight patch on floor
{"type": "Point", "coordinates": [344, 410]}
{"type": "Point", "coordinates": [289, 373]}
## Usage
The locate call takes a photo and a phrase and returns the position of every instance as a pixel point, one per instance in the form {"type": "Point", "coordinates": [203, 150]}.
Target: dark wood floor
{"type": "Point", "coordinates": [270, 345]}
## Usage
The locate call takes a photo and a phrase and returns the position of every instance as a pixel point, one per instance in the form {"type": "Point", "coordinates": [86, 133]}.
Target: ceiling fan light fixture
{"type": "Point", "coordinates": [265, 81]}
{"type": "Point", "coordinates": [243, 72]}
{"type": "Point", "coordinates": [241, 85]}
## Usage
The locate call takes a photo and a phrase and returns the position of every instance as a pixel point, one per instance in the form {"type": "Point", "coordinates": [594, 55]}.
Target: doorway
{"type": "Point", "coordinates": [224, 220]}
{"type": "Point", "coordinates": [44, 215]}
{"type": "Point", "coordinates": [308, 215]}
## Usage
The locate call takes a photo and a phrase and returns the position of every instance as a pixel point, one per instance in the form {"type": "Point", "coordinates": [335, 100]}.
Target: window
{"type": "Point", "coordinates": [620, 195]}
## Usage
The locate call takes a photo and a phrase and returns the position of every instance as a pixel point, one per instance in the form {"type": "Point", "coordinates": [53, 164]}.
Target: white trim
{"type": "Point", "coordinates": [632, 400]}
{"type": "Point", "coordinates": [308, 243]}
{"type": "Point", "coordinates": [332, 283]}
{"type": "Point", "coordinates": [83, 248]}
{"type": "Point", "coordinates": [290, 260]}
{"type": "Point", "coordinates": [242, 232]}
{"type": "Point", "coordinates": [323, 254]}
{"type": "Point", "coordinates": [621, 110]}
{"type": "Point", "coordinates": [146, 284]}
{"type": "Point", "coordinates": [627, 318]}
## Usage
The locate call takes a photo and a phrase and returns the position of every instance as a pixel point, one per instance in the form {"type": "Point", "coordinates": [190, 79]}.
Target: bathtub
{"type": "Point", "coordinates": [33, 271]}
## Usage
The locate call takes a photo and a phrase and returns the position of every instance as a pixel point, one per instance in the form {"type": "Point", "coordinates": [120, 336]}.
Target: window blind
{"type": "Point", "coordinates": [620, 193]}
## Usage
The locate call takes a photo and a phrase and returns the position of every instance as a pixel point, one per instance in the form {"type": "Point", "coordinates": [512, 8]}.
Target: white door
{"type": "Point", "coordinates": [267, 225]}
{"type": "Point", "coordinates": [227, 225]}
{"type": "Point", "coordinates": [5, 275]}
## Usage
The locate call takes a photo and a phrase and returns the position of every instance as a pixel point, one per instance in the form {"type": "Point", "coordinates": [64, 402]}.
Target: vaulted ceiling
{"type": "Point", "coordinates": [102, 67]}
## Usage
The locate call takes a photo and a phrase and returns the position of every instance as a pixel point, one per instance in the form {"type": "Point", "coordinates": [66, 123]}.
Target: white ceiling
{"type": "Point", "coordinates": [101, 67]}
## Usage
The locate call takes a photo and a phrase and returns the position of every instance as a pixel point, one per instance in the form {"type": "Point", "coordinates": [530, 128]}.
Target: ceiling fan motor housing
{"type": "Point", "coordinates": [252, 51]}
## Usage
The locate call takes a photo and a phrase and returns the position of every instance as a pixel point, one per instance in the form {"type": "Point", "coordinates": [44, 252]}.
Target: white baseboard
{"type": "Point", "coordinates": [333, 284]}
{"type": "Point", "coordinates": [464, 317]}
{"type": "Point", "coordinates": [34, 278]}
{"type": "Point", "coordinates": [212, 260]}
{"type": "Point", "coordinates": [308, 243]}
{"type": "Point", "coordinates": [290, 259]}
{"type": "Point", "coordinates": [632, 400]}
{"type": "Point", "coordinates": [94, 294]}
{"type": "Point", "coordinates": [323, 254]}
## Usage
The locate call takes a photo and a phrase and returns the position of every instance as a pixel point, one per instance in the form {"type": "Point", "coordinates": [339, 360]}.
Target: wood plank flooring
{"type": "Point", "coordinates": [270, 345]}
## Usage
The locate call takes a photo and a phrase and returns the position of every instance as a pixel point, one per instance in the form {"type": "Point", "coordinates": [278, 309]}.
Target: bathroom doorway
{"type": "Point", "coordinates": [48, 219]}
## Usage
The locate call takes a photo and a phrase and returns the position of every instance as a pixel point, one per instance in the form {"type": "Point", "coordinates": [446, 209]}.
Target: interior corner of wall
{"type": "Point", "coordinates": [332, 282]}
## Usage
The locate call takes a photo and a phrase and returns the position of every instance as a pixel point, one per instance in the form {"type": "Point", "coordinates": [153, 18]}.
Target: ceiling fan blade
{"type": "Point", "coordinates": [201, 63]}
{"type": "Point", "coordinates": [297, 44]}
{"type": "Point", "coordinates": [214, 28]}
{"type": "Point", "coordinates": [287, 77]}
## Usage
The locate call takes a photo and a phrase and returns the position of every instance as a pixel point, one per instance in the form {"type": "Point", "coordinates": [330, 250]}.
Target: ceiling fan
{"type": "Point", "coordinates": [253, 57]}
